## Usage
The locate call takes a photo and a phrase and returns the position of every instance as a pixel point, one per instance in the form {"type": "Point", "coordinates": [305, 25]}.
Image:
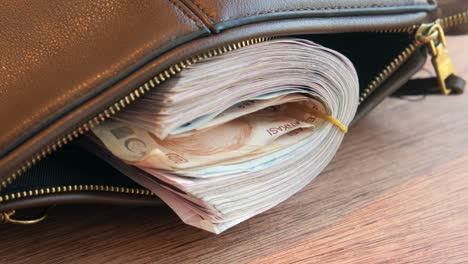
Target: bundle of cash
{"type": "Point", "coordinates": [234, 135]}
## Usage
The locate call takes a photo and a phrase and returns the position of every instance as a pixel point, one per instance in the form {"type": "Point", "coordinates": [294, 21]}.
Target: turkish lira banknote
{"type": "Point", "coordinates": [234, 135]}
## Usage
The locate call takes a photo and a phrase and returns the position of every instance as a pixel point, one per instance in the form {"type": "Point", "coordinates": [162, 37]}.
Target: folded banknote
{"type": "Point", "coordinates": [235, 134]}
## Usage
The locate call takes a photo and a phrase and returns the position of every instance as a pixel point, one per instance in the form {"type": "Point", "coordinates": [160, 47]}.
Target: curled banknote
{"type": "Point", "coordinates": [236, 134]}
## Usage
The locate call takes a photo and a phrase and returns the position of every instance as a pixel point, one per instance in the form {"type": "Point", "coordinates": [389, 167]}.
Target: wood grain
{"type": "Point", "coordinates": [396, 192]}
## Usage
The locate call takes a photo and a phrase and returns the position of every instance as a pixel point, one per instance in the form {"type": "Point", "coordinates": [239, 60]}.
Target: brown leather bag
{"type": "Point", "coordinates": [67, 66]}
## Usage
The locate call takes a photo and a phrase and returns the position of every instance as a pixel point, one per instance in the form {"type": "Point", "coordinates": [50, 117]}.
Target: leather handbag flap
{"type": "Point", "coordinates": [57, 56]}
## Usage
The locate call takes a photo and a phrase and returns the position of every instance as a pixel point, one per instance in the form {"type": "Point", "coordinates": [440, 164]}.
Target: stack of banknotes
{"type": "Point", "coordinates": [235, 134]}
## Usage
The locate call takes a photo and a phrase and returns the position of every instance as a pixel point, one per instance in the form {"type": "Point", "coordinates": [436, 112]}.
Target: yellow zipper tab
{"type": "Point", "coordinates": [432, 34]}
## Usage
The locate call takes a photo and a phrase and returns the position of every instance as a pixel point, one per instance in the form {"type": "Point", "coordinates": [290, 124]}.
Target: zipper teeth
{"type": "Point", "coordinates": [454, 20]}
{"type": "Point", "coordinates": [409, 29]}
{"type": "Point", "coordinates": [388, 70]}
{"type": "Point", "coordinates": [446, 22]}
{"type": "Point", "coordinates": [75, 188]}
{"type": "Point", "coordinates": [124, 102]}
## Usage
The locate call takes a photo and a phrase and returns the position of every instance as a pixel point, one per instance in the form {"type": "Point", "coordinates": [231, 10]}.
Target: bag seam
{"type": "Point", "coordinates": [187, 14]}
{"type": "Point", "coordinates": [305, 9]}
{"type": "Point", "coordinates": [212, 20]}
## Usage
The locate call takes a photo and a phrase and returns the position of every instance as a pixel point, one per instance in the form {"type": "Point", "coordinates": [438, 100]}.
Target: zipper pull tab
{"type": "Point", "coordinates": [432, 34]}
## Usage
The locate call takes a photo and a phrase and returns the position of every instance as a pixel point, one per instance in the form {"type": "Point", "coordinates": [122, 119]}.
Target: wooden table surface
{"type": "Point", "coordinates": [396, 192]}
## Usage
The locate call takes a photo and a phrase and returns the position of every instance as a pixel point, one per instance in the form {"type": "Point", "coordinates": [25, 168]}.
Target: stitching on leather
{"type": "Point", "coordinates": [315, 9]}
{"type": "Point", "coordinates": [202, 10]}
{"type": "Point", "coordinates": [190, 16]}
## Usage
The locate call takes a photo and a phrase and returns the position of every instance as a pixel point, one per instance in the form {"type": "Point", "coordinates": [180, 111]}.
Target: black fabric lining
{"type": "Point", "coordinates": [69, 166]}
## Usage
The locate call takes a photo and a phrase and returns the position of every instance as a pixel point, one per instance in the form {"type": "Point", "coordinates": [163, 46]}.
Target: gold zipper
{"type": "Point", "coordinates": [431, 34]}
{"type": "Point", "coordinates": [388, 70]}
{"type": "Point", "coordinates": [75, 188]}
{"type": "Point", "coordinates": [8, 217]}
{"type": "Point", "coordinates": [444, 23]}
